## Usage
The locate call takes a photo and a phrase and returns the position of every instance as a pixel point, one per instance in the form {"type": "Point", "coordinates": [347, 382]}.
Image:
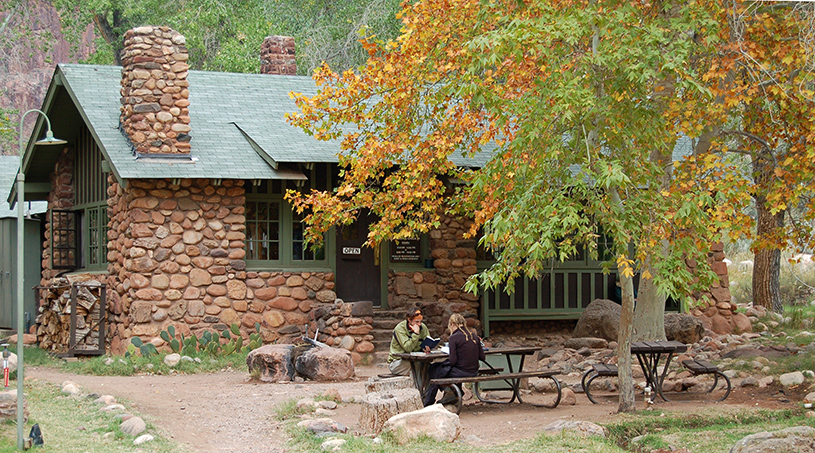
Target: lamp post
{"type": "Point", "coordinates": [48, 140]}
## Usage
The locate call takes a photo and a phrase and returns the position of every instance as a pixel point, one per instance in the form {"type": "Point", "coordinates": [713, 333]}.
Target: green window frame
{"type": "Point", "coordinates": [63, 239]}
{"type": "Point", "coordinates": [94, 239]}
{"type": "Point", "coordinates": [275, 236]}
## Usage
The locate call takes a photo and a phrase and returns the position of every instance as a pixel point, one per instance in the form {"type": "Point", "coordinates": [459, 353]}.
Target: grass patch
{"type": "Point", "coordinates": [698, 432]}
{"type": "Point", "coordinates": [75, 424]}
{"type": "Point", "coordinates": [137, 364]}
{"type": "Point", "coordinates": [303, 441]}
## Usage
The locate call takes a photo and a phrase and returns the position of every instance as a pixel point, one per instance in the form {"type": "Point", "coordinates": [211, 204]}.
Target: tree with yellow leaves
{"type": "Point", "coordinates": [572, 101]}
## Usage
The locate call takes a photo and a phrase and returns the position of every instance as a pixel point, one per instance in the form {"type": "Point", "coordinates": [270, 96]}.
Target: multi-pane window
{"type": "Point", "coordinates": [64, 239]}
{"type": "Point", "coordinates": [275, 234]}
{"type": "Point", "coordinates": [96, 241]}
{"type": "Point", "coordinates": [79, 235]}
{"type": "Point", "coordinates": [300, 250]}
{"type": "Point", "coordinates": [263, 230]}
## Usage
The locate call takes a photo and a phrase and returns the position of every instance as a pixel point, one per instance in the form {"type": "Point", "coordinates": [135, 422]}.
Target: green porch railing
{"type": "Point", "coordinates": [562, 293]}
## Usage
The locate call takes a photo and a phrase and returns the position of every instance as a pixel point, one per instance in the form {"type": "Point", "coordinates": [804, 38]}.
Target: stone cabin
{"type": "Point", "coordinates": [170, 191]}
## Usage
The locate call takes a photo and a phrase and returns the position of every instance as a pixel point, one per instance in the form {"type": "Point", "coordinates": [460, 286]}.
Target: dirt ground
{"type": "Point", "coordinates": [228, 412]}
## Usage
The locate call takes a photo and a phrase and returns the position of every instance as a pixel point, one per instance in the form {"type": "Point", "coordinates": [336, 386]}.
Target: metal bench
{"type": "Point", "coordinates": [597, 370]}
{"type": "Point", "coordinates": [512, 379]}
{"type": "Point", "coordinates": [698, 367]}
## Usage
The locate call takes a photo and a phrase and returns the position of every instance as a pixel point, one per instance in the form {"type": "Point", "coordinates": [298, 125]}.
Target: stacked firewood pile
{"type": "Point", "coordinates": [54, 316]}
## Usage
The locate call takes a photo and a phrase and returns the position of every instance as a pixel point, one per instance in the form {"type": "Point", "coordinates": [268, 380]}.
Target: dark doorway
{"type": "Point", "coordinates": [358, 270]}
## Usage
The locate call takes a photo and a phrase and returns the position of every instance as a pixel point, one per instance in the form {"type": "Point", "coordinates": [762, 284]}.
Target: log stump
{"type": "Point", "coordinates": [378, 384]}
{"type": "Point", "coordinates": [378, 407]}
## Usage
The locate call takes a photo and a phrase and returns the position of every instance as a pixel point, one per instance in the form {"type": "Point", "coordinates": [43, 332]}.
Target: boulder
{"type": "Point", "coordinates": [8, 405]}
{"type": "Point", "coordinates": [586, 342]}
{"type": "Point", "coordinates": [273, 361]}
{"type": "Point", "coordinates": [741, 323]}
{"type": "Point", "coordinates": [584, 429]}
{"type": "Point", "coordinates": [791, 379]}
{"type": "Point", "coordinates": [433, 421]}
{"type": "Point", "coordinates": [601, 319]}
{"type": "Point", "coordinates": [171, 360]}
{"type": "Point", "coordinates": [799, 439]}
{"type": "Point", "coordinates": [323, 426]}
{"type": "Point", "coordinates": [325, 364]}
{"type": "Point", "coordinates": [133, 426]}
{"type": "Point", "coordinates": [684, 328]}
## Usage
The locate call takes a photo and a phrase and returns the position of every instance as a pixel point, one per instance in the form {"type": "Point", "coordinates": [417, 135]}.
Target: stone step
{"type": "Point", "coordinates": [389, 314]}
{"type": "Point", "coordinates": [386, 324]}
{"type": "Point", "coordinates": [382, 334]}
{"type": "Point", "coordinates": [381, 345]}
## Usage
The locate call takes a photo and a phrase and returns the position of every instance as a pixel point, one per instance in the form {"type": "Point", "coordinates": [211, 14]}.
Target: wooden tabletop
{"type": "Point", "coordinates": [433, 355]}
{"type": "Point", "coordinates": [648, 347]}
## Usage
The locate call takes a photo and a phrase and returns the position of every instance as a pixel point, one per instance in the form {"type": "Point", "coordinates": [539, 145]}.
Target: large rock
{"type": "Point", "coordinates": [791, 379]}
{"type": "Point", "coordinates": [433, 421]}
{"type": "Point", "coordinates": [325, 364]}
{"type": "Point", "coordinates": [133, 426]}
{"type": "Point", "coordinates": [8, 405]}
{"type": "Point", "coordinates": [684, 328]}
{"type": "Point", "coordinates": [800, 439]}
{"type": "Point", "coordinates": [273, 361]}
{"type": "Point", "coordinates": [583, 428]}
{"type": "Point", "coordinates": [601, 319]}
{"type": "Point", "coordinates": [589, 342]}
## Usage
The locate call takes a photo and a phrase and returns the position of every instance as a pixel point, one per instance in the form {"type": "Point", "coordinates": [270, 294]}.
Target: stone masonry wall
{"type": "Point", "coordinates": [714, 307]}
{"type": "Point", "coordinates": [176, 254]}
{"type": "Point", "coordinates": [439, 291]}
{"type": "Point", "coordinates": [60, 197]}
{"type": "Point", "coordinates": [155, 114]}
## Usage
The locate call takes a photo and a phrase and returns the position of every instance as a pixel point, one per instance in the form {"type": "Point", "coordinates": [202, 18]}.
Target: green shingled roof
{"type": "Point", "coordinates": [238, 125]}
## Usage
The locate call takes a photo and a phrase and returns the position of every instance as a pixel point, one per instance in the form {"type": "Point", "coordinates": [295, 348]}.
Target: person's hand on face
{"type": "Point", "coordinates": [415, 326]}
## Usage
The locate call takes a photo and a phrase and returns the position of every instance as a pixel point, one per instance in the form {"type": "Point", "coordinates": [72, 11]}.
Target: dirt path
{"type": "Point", "coordinates": [226, 412]}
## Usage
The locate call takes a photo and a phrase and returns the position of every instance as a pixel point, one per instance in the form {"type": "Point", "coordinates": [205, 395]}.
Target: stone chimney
{"type": "Point", "coordinates": [155, 106]}
{"type": "Point", "coordinates": [277, 56]}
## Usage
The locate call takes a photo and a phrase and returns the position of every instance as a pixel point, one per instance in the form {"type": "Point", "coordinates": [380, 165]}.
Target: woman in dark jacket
{"type": "Point", "coordinates": [465, 354]}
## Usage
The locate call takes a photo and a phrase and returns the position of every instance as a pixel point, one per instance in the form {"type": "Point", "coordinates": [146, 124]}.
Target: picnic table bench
{"type": "Point", "coordinates": [492, 374]}
{"type": "Point", "coordinates": [696, 367]}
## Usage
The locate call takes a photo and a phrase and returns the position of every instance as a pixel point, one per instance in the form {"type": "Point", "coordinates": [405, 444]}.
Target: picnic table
{"type": "Point", "coordinates": [420, 364]}
{"type": "Point", "coordinates": [649, 354]}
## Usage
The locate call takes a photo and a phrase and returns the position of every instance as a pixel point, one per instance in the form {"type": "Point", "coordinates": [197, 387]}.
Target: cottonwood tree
{"type": "Point", "coordinates": [563, 93]}
{"type": "Point", "coordinates": [761, 78]}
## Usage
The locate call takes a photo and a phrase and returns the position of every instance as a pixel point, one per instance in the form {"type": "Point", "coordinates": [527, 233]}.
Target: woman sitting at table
{"type": "Point", "coordinates": [407, 337]}
{"type": "Point", "coordinates": [465, 353]}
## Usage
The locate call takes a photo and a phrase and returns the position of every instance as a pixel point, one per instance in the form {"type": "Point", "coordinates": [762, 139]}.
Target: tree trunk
{"type": "Point", "coordinates": [767, 266]}
{"type": "Point", "coordinates": [378, 407]}
{"type": "Point", "coordinates": [624, 376]}
{"type": "Point", "coordinates": [649, 316]}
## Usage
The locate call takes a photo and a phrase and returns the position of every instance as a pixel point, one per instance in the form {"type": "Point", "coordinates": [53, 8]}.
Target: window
{"type": "Point", "coordinates": [64, 239]}
{"type": "Point", "coordinates": [79, 236]}
{"type": "Point", "coordinates": [95, 227]}
{"type": "Point", "coordinates": [275, 235]}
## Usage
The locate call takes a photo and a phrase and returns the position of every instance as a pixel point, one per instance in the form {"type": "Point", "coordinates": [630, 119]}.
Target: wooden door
{"type": "Point", "coordinates": [358, 267]}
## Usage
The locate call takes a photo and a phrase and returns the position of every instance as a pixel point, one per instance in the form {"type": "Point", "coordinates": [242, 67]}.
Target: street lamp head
{"type": "Point", "coordinates": [50, 140]}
